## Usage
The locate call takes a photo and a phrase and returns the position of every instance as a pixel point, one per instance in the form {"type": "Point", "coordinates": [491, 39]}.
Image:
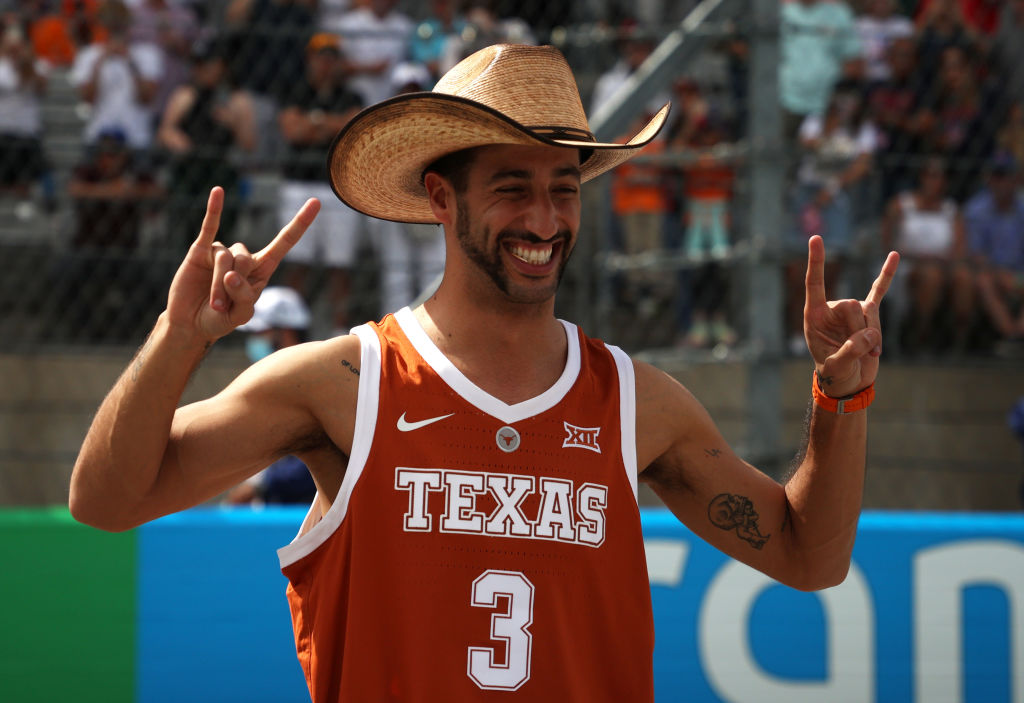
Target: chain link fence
{"type": "Point", "coordinates": [898, 124]}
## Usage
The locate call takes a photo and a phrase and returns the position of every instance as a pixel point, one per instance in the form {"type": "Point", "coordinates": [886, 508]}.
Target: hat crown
{"type": "Point", "coordinates": [532, 85]}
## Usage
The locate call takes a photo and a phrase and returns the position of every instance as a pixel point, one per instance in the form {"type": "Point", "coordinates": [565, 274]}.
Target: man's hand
{"type": "Point", "coordinates": [216, 287]}
{"type": "Point", "coordinates": [844, 336]}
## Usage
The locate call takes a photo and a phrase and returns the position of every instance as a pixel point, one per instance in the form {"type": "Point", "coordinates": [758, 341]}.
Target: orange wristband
{"type": "Point", "coordinates": [842, 406]}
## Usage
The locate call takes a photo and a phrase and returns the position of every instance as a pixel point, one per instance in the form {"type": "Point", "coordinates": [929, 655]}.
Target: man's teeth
{"type": "Point", "coordinates": [536, 257]}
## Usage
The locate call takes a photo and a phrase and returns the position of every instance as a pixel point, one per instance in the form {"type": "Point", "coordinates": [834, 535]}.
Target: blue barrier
{"type": "Point", "coordinates": [933, 610]}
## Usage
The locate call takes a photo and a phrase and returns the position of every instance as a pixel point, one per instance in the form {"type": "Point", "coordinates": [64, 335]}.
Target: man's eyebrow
{"type": "Point", "coordinates": [568, 171]}
{"type": "Point", "coordinates": [509, 174]}
{"type": "Point", "coordinates": [522, 174]}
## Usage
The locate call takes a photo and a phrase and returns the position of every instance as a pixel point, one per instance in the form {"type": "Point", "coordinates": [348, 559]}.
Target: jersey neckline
{"type": "Point", "coordinates": [480, 398]}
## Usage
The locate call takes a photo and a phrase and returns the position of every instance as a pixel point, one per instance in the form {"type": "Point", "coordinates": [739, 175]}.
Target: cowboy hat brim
{"type": "Point", "coordinates": [376, 161]}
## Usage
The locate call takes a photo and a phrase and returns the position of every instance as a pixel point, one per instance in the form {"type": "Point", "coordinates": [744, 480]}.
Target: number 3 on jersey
{"type": "Point", "coordinates": [510, 626]}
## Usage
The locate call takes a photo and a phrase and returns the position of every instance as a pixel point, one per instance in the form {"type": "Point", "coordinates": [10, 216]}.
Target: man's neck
{"type": "Point", "coordinates": [512, 354]}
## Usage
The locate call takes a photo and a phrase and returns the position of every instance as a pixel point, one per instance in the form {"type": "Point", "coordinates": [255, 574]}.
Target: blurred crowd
{"type": "Point", "coordinates": [903, 123]}
{"type": "Point", "coordinates": [902, 127]}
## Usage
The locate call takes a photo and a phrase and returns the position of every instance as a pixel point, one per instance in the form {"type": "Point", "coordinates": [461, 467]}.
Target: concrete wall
{"type": "Point", "coordinates": [47, 402]}
{"type": "Point", "coordinates": [938, 436]}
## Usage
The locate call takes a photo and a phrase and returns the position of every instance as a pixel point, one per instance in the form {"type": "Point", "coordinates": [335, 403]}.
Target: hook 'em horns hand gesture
{"type": "Point", "coordinates": [216, 287]}
{"type": "Point", "coordinates": [844, 336]}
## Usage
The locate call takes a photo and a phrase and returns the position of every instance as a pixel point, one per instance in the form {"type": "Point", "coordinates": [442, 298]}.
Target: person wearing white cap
{"type": "Point", "coordinates": [280, 319]}
{"type": "Point", "coordinates": [476, 533]}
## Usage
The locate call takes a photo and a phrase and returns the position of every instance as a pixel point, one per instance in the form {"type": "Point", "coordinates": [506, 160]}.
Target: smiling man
{"type": "Point", "coordinates": [475, 534]}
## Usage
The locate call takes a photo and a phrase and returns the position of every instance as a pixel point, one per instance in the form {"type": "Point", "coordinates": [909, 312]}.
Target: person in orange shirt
{"type": "Point", "coordinates": [56, 36]}
{"type": "Point", "coordinates": [708, 190]}
{"type": "Point", "coordinates": [475, 534]}
{"type": "Point", "coordinates": [640, 203]}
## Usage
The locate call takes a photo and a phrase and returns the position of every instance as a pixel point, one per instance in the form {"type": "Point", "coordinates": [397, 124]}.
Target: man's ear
{"type": "Point", "coordinates": [441, 196]}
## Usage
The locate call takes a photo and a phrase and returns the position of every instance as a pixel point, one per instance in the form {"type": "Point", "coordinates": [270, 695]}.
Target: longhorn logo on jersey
{"type": "Point", "coordinates": [504, 505]}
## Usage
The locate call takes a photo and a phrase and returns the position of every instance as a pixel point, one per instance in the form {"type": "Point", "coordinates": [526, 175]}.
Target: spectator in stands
{"type": "Point", "coordinates": [837, 152]}
{"type": "Point", "coordinates": [266, 56]}
{"type": "Point", "coordinates": [1011, 135]}
{"type": "Point", "coordinates": [959, 120]}
{"type": "Point", "coordinates": [635, 45]}
{"type": "Point", "coordinates": [707, 186]}
{"type": "Point", "coordinates": [319, 106]}
{"type": "Point", "coordinates": [411, 255]}
{"type": "Point", "coordinates": [707, 180]}
{"type": "Point", "coordinates": [58, 32]}
{"type": "Point", "coordinates": [486, 26]}
{"type": "Point", "coordinates": [23, 79]}
{"type": "Point", "coordinates": [640, 203]}
{"type": "Point", "coordinates": [1008, 52]}
{"type": "Point", "coordinates": [981, 16]}
{"type": "Point", "coordinates": [691, 112]}
{"type": "Point", "coordinates": [878, 28]}
{"type": "Point", "coordinates": [375, 39]}
{"type": "Point", "coordinates": [995, 234]}
{"type": "Point", "coordinates": [893, 104]}
{"type": "Point", "coordinates": [205, 125]}
{"type": "Point", "coordinates": [103, 292]}
{"type": "Point", "coordinates": [173, 27]}
{"type": "Point", "coordinates": [118, 79]}
{"type": "Point", "coordinates": [280, 319]}
{"type": "Point", "coordinates": [941, 26]}
{"type": "Point", "coordinates": [819, 44]}
{"type": "Point", "coordinates": [267, 40]}
{"type": "Point", "coordinates": [432, 35]}
{"type": "Point", "coordinates": [110, 189]}
{"type": "Point", "coordinates": [926, 226]}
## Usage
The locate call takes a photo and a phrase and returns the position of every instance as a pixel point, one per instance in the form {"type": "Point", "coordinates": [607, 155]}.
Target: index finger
{"type": "Point", "coordinates": [211, 220]}
{"type": "Point", "coordinates": [884, 280]}
{"type": "Point", "coordinates": [288, 236]}
{"type": "Point", "coordinates": [815, 280]}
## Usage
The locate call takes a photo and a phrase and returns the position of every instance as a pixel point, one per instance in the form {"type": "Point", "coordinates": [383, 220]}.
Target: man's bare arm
{"type": "Point", "coordinates": [129, 442]}
{"type": "Point", "coordinates": [801, 533]}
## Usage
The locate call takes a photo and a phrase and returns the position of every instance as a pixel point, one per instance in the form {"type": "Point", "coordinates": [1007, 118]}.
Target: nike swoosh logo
{"type": "Point", "coordinates": [405, 426]}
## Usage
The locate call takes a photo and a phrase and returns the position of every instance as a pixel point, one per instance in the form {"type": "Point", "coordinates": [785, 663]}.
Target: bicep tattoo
{"type": "Point", "coordinates": [349, 366]}
{"type": "Point", "coordinates": [732, 512]}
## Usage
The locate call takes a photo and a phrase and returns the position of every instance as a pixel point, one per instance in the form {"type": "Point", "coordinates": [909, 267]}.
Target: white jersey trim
{"type": "Point", "coordinates": [476, 396]}
{"type": "Point", "coordinates": [362, 439]}
{"type": "Point", "coordinates": [627, 413]}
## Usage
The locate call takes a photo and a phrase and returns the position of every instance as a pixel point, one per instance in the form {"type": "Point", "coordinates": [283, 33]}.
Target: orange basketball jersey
{"type": "Point", "coordinates": [478, 551]}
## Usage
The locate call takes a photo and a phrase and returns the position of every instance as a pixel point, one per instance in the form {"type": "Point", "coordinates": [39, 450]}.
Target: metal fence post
{"type": "Point", "coordinates": [764, 290]}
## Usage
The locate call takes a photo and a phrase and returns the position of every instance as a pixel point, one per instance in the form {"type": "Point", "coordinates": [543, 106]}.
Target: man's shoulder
{"type": "Point", "coordinates": [310, 359]}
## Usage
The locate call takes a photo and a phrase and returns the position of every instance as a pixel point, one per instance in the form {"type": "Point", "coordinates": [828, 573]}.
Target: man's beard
{"type": "Point", "coordinates": [489, 261]}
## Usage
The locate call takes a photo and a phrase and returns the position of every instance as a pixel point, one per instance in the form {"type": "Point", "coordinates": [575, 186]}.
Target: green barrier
{"type": "Point", "coordinates": [67, 624]}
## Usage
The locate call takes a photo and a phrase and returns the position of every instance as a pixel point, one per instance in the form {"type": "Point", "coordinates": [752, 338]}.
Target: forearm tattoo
{"type": "Point", "coordinates": [732, 512]}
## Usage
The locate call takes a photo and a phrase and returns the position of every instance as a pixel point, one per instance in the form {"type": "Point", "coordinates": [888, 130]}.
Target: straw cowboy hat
{"type": "Point", "coordinates": [503, 94]}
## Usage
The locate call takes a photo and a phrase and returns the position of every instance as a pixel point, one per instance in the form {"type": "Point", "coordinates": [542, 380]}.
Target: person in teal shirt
{"type": "Point", "coordinates": [818, 38]}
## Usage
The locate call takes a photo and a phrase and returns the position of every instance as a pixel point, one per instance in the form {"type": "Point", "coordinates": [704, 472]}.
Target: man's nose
{"type": "Point", "coordinates": [542, 217]}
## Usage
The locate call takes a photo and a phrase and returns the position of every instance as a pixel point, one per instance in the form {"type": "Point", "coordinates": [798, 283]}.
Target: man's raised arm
{"type": "Point", "coordinates": [800, 533]}
{"type": "Point", "coordinates": [117, 482]}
